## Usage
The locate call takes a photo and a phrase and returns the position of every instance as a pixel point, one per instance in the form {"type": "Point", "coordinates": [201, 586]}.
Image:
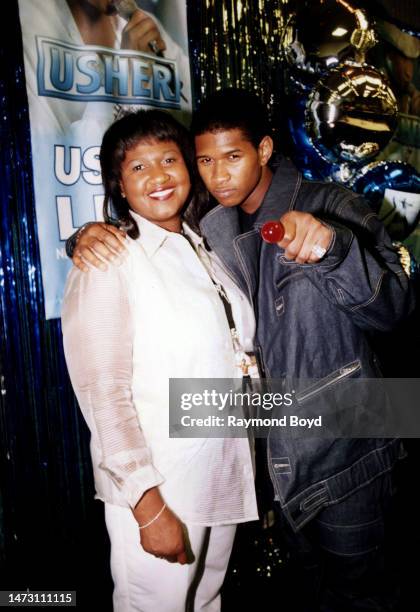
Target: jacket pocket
{"type": "Point", "coordinates": [324, 383]}
{"type": "Point", "coordinates": [288, 278]}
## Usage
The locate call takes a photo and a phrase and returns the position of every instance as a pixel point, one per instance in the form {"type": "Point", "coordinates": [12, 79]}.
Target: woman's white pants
{"type": "Point", "coordinates": [143, 583]}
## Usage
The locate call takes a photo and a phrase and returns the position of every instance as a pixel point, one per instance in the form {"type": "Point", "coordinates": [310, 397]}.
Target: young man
{"type": "Point", "coordinates": [334, 277]}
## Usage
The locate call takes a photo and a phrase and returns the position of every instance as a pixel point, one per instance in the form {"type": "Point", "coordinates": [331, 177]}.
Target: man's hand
{"type": "Point", "coordinates": [97, 241]}
{"type": "Point", "coordinates": [164, 537]}
{"type": "Point", "coordinates": [305, 240]}
{"type": "Point", "coordinates": [139, 32]}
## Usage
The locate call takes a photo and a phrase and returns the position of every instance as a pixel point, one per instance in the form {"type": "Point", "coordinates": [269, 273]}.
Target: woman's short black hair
{"type": "Point", "coordinates": [123, 135]}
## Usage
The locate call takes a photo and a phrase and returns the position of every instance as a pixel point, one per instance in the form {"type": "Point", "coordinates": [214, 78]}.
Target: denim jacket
{"type": "Point", "coordinates": [313, 321]}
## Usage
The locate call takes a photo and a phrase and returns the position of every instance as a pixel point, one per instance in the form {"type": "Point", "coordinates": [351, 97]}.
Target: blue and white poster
{"type": "Point", "coordinates": [84, 61]}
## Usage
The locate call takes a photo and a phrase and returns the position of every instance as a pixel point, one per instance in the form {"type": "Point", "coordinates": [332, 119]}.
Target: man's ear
{"type": "Point", "coordinates": [265, 150]}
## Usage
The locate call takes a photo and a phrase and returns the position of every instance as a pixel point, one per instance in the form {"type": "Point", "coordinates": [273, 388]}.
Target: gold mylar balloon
{"type": "Point", "coordinates": [321, 34]}
{"type": "Point", "coordinates": [351, 113]}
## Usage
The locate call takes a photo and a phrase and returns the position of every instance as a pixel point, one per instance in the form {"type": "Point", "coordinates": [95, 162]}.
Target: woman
{"type": "Point", "coordinates": [126, 331]}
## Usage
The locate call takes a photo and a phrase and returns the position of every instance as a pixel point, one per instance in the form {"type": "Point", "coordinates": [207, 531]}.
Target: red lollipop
{"type": "Point", "coordinates": [272, 231]}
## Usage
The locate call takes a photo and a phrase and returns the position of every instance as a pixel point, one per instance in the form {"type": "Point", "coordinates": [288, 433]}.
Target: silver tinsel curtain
{"type": "Point", "coordinates": [51, 532]}
{"type": "Point", "coordinates": [236, 43]}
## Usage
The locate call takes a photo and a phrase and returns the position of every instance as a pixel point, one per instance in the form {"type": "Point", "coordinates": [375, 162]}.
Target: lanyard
{"type": "Point", "coordinates": [245, 361]}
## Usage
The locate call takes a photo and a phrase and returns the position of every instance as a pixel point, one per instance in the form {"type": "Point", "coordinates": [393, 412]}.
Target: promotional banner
{"type": "Point", "coordinates": [86, 61]}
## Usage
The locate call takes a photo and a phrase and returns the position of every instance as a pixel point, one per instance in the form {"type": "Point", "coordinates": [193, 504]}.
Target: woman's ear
{"type": "Point", "coordinates": [122, 189]}
{"type": "Point", "coordinates": [265, 150]}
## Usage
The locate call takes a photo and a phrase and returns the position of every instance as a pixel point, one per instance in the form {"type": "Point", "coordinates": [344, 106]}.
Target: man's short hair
{"type": "Point", "coordinates": [230, 109]}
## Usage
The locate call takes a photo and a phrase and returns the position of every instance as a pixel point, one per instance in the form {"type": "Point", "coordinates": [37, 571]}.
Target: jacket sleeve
{"type": "Point", "coordinates": [361, 272]}
{"type": "Point", "coordinates": [98, 344]}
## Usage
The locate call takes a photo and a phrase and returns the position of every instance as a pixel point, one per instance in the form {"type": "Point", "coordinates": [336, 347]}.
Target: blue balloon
{"type": "Point", "coordinates": [306, 158]}
{"type": "Point", "coordinates": [393, 190]}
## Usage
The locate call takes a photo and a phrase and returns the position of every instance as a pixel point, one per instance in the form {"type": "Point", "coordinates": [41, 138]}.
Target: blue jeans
{"type": "Point", "coordinates": [341, 557]}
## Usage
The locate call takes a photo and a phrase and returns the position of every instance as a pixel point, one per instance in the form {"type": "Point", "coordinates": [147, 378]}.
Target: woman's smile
{"type": "Point", "coordinates": [156, 182]}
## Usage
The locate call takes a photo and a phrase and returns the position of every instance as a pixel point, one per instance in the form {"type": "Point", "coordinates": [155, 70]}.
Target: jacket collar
{"type": "Point", "coordinates": [220, 227]}
{"type": "Point", "coordinates": [281, 195]}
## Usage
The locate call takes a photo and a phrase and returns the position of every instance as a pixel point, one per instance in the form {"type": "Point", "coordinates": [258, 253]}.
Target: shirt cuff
{"type": "Point", "coordinates": [139, 482]}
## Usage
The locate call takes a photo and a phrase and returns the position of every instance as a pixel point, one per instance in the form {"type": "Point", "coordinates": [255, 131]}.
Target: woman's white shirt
{"type": "Point", "coordinates": [126, 332]}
